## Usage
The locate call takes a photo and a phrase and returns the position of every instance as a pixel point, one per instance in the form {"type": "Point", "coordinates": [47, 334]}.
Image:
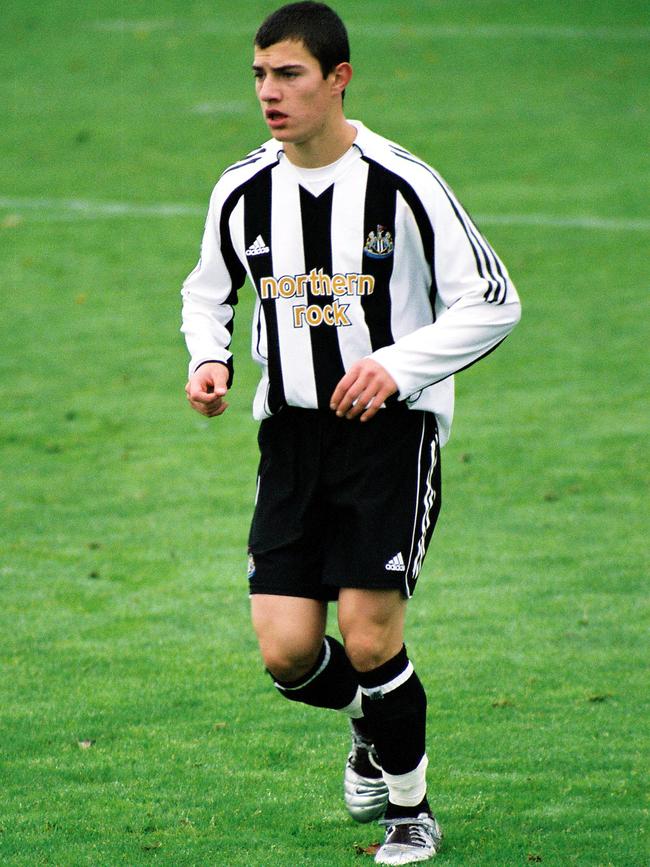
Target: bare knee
{"type": "Point", "coordinates": [288, 662]}
{"type": "Point", "coordinates": [290, 633]}
{"type": "Point", "coordinates": [372, 625]}
{"type": "Point", "coordinates": [368, 651]}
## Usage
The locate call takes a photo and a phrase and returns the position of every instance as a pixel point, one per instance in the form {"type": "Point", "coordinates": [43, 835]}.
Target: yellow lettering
{"type": "Point", "coordinates": [287, 287]}
{"type": "Point", "coordinates": [314, 315]}
{"type": "Point", "coordinates": [340, 314]}
{"type": "Point", "coordinates": [366, 284]}
{"type": "Point", "coordinates": [325, 283]}
{"type": "Point", "coordinates": [317, 283]}
{"type": "Point", "coordinates": [334, 314]}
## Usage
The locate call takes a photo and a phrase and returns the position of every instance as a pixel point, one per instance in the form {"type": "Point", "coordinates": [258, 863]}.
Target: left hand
{"type": "Point", "coordinates": [363, 390]}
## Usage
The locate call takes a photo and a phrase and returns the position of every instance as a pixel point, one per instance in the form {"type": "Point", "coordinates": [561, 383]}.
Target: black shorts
{"type": "Point", "coordinates": [343, 504]}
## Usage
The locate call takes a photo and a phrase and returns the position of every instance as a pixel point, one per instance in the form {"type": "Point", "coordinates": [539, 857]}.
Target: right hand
{"type": "Point", "coordinates": [206, 389]}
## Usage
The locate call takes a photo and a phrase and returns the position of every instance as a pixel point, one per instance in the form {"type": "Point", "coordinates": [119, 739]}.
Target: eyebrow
{"type": "Point", "coordinates": [286, 68]}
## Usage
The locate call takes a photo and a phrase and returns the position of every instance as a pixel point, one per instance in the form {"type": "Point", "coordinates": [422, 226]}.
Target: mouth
{"type": "Point", "coordinates": [274, 117]}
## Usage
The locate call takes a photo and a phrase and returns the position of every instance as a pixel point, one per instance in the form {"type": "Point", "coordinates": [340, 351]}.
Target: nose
{"type": "Point", "coordinates": [268, 90]}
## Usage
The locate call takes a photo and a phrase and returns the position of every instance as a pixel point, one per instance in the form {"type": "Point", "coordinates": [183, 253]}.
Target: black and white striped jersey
{"type": "Point", "coordinates": [371, 256]}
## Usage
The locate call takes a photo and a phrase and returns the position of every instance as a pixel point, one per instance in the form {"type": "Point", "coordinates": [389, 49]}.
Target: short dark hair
{"type": "Point", "coordinates": [316, 25]}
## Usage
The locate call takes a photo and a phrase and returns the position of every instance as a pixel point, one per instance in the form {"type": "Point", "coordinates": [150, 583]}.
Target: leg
{"type": "Point", "coordinates": [372, 625]}
{"type": "Point", "coordinates": [290, 632]}
{"type": "Point", "coordinates": [394, 702]}
{"type": "Point", "coordinates": [305, 664]}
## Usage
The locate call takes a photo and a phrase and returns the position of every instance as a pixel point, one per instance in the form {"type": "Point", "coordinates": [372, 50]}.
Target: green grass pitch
{"type": "Point", "coordinates": [136, 724]}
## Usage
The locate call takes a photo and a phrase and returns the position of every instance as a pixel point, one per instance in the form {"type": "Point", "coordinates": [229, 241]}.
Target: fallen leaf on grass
{"type": "Point", "coordinates": [86, 744]}
{"type": "Point", "coordinates": [372, 849]}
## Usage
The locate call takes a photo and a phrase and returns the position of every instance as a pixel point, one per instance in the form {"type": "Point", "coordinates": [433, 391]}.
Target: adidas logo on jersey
{"type": "Point", "coordinates": [258, 247]}
{"type": "Point", "coordinates": [396, 563]}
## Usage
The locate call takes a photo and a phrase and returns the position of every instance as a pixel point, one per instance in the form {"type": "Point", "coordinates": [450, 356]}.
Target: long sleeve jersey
{"type": "Point", "coordinates": [372, 256]}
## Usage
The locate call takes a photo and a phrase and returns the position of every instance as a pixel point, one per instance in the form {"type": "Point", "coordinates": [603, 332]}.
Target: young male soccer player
{"type": "Point", "coordinates": [373, 287]}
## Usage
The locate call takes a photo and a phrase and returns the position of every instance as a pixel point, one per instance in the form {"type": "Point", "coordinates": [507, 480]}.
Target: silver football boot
{"type": "Point", "coordinates": [409, 841]}
{"type": "Point", "coordinates": [365, 792]}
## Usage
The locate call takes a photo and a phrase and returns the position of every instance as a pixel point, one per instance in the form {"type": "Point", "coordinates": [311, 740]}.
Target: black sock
{"type": "Point", "coordinates": [394, 707]}
{"type": "Point", "coordinates": [331, 682]}
{"type": "Point", "coordinates": [363, 728]}
{"type": "Point", "coordinates": [394, 811]}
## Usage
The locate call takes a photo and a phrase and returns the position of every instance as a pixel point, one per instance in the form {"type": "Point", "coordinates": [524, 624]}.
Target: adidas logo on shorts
{"type": "Point", "coordinates": [258, 247]}
{"type": "Point", "coordinates": [396, 563]}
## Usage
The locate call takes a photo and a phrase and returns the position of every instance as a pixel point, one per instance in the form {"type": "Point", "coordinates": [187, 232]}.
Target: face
{"type": "Point", "coordinates": [297, 102]}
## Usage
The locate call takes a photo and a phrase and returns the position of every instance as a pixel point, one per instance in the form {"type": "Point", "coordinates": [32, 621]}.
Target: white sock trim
{"type": "Point", "coordinates": [321, 669]}
{"type": "Point", "coordinates": [353, 710]}
{"type": "Point", "coordinates": [391, 685]}
{"type": "Point", "coordinates": [408, 790]}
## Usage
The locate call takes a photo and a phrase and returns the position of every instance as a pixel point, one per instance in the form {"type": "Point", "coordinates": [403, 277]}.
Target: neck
{"type": "Point", "coordinates": [322, 150]}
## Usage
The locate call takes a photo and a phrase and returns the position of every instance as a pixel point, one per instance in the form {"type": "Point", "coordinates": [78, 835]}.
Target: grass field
{"type": "Point", "coordinates": [136, 724]}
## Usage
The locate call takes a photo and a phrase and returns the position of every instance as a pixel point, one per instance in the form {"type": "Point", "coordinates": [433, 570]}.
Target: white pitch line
{"type": "Point", "coordinates": [50, 210]}
{"type": "Point", "coordinates": [132, 25]}
{"type": "Point", "coordinates": [233, 106]}
{"type": "Point", "coordinates": [614, 224]}
{"type": "Point", "coordinates": [504, 31]}
{"type": "Point", "coordinates": [390, 30]}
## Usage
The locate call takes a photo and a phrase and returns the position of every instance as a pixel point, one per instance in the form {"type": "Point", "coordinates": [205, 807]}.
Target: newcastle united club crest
{"type": "Point", "coordinates": [379, 244]}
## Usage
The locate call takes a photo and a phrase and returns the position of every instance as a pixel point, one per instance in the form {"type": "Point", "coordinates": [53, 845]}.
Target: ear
{"type": "Point", "coordinates": [341, 77]}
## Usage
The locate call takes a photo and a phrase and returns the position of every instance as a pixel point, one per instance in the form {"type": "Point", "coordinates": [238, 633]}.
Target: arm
{"type": "Point", "coordinates": [209, 295]}
{"type": "Point", "coordinates": [476, 307]}
{"type": "Point", "coordinates": [460, 336]}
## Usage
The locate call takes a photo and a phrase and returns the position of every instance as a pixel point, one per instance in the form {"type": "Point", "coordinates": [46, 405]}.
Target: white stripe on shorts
{"type": "Point", "coordinates": [415, 565]}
